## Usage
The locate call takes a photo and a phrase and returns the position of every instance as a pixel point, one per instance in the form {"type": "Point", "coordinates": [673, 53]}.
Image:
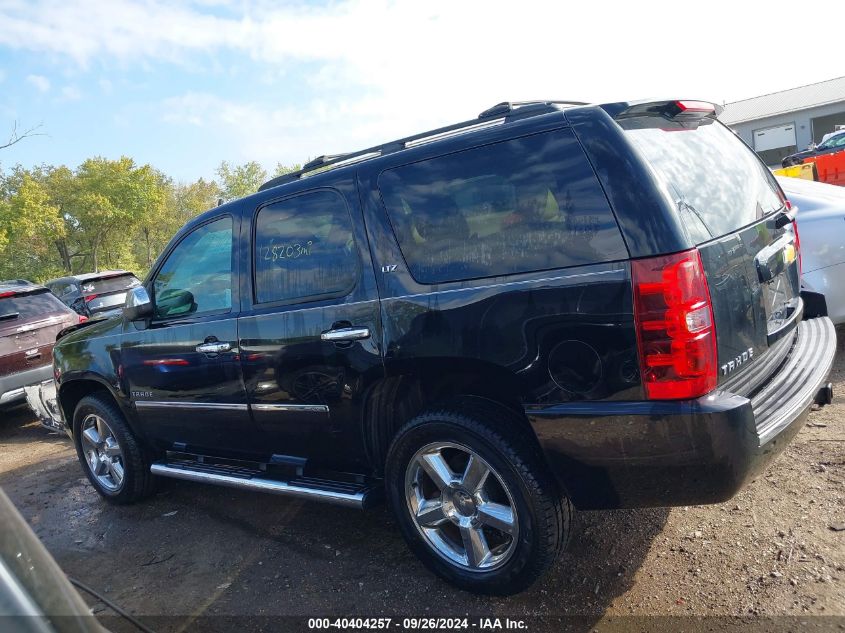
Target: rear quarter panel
{"type": "Point", "coordinates": [574, 323]}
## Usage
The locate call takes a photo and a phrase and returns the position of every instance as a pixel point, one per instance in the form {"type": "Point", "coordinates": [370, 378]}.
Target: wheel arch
{"type": "Point", "coordinates": [73, 390]}
{"type": "Point", "coordinates": [412, 388]}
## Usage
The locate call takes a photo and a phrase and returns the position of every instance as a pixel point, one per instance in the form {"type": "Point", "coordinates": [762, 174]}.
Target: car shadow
{"type": "Point", "coordinates": [356, 563]}
{"type": "Point", "coordinates": [219, 554]}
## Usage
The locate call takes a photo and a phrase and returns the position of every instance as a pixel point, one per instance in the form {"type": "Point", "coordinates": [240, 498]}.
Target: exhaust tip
{"type": "Point", "coordinates": [824, 395]}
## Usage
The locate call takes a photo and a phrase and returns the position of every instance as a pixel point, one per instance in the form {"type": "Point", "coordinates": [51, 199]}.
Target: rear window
{"type": "Point", "coordinates": [108, 284]}
{"type": "Point", "coordinates": [523, 205]}
{"type": "Point", "coordinates": [718, 183]}
{"type": "Point", "coordinates": [29, 306]}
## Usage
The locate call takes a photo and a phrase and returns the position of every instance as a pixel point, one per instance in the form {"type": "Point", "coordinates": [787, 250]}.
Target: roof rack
{"type": "Point", "coordinates": [499, 113]}
{"type": "Point", "coordinates": [507, 107]}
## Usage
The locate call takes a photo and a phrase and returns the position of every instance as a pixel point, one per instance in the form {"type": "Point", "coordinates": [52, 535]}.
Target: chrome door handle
{"type": "Point", "coordinates": [346, 334]}
{"type": "Point", "coordinates": [213, 348]}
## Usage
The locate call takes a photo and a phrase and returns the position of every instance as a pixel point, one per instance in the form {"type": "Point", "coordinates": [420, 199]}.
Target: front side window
{"type": "Point", "coordinates": [196, 278]}
{"type": "Point", "coordinates": [304, 249]}
{"type": "Point", "coordinates": [523, 205]}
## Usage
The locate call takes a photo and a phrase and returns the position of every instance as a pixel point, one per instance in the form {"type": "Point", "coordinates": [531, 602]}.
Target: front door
{"type": "Point", "coordinates": [310, 327]}
{"type": "Point", "coordinates": [182, 370]}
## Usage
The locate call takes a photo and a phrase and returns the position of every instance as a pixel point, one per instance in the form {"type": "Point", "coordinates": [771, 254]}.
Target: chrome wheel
{"type": "Point", "coordinates": [102, 452]}
{"type": "Point", "coordinates": [461, 506]}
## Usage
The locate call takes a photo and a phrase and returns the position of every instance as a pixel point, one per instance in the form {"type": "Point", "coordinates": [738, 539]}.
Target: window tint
{"type": "Point", "coordinates": [29, 306]}
{"type": "Point", "coordinates": [196, 278]}
{"type": "Point", "coordinates": [304, 248]}
{"type": "Point", "coordinates": [60, 289]}
{"type": "Point", "coordinates": [110, 284]}
{"type": "Point", "coordinates": [718, 183]}
{"type": "Point", "coordinates": [527, 204]}
{"type": "Point", "coordinates": [838, 141]}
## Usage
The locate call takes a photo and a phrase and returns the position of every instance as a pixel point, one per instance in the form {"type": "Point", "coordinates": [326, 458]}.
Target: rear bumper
{"type": "Point", "coordinates": [634, 454]}
{"type": "Point", "coordinates": [12, 386]}
{"type": "Point", "coordinates": [43, 402]}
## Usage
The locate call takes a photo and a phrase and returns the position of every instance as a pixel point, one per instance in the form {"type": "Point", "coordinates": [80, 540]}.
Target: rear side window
{"type": "Point", "coordinates": [523, 205]}
{"type": "Point", "coordinates": [30, 306]}
{"type": "Point", "coordinates": [304, 249]}
{"type": "Point", "coordinates": [718, 183]}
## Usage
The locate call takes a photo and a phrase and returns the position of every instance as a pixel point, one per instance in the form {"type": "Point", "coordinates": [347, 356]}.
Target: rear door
{"type": "Point", "coordinates": [183, 372]}
{"type": "Point", "coordinates": [309, 330]}
{"type": "Point", "coordinates": [730, 207]}
{"type": "Point", "coordinates": [29, 323]}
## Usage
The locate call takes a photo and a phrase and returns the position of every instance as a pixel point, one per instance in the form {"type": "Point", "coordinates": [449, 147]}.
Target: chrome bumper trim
{"type": "Point", "coordinates": [208, 406]}
{"type": "Point", "coordinates": [308, 408]}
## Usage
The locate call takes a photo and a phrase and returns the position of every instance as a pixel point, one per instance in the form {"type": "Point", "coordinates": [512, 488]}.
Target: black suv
{"type": "Point", "coordinates": [551, 305]}
{"type": "Point", "coordinates": [94, 295]}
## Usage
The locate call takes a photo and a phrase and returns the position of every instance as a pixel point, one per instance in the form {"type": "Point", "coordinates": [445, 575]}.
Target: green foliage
{"type": "Point", "coordinates": [103, 214]}
{"type": "Point", "coordinates": [281, 170]}
{"type": "Point", "coordinates": [240, 180]}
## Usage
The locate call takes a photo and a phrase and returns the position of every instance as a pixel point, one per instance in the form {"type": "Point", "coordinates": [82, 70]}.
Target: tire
{"type": "Point", "coordinates": [521, 514]}
{"type": "Point", "coordinates": [112, 441]}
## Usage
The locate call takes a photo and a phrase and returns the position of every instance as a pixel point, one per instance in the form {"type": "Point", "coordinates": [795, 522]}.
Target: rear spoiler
{"type": "Point", "coordinates": [680, 110]}
{"type": "Point", "coordinates": [23, 291]}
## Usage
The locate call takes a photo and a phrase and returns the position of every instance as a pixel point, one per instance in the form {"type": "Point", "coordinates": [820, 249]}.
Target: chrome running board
{"type": "Point", "coordinates": [358, 496]}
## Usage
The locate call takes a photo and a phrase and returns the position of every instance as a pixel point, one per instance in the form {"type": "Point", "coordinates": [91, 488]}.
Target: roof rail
{"type": "Point", "coordinates": [323, 160]}
{"type": "Point", "coordinates": [499, 113]}
{"type": "Point", "coordinates": [507, 107]}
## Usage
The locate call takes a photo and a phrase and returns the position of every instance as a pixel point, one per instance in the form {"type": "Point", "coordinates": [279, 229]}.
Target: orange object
{"type": "Point", "coordinates": [830, 168]}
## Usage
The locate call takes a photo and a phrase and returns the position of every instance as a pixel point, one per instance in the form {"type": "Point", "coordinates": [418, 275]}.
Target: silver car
{"type": "Point", "coordinates": [821, 229]}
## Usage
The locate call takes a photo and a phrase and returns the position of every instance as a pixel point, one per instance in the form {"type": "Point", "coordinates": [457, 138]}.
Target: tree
{"type": "Point", "coordinates": [115, 199]}
{"type": "Point", "coordinates": [189, 200]}
{"type": "Point", "coordinates": [281, 170]}
{"type": "Point", "coordinates": [55, 220]}
{"type": "Point", "coordinates": [17, 136]}
{"type": "Point", "coordinates": [28, 226]}
{"type": "Point", "coordinates": [237, 181]}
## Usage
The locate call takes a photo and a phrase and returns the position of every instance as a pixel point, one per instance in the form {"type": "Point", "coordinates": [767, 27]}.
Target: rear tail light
{"type": "Point", "coordinates": [88, 298]}
{"type": "Point", "coordinates": [82, 318]}
{"type": "Point", "coordinates": [675, 331]}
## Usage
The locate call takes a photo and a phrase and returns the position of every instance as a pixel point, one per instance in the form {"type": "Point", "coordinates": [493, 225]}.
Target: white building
{"type": "Point", "coordinates": [781, 123]}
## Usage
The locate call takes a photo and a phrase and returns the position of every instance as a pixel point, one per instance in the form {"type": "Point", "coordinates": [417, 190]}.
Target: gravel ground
{"type": "Point", "coordinates": [777, 549]}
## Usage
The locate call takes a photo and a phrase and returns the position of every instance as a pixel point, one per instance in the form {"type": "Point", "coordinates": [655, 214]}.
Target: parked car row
{"type": "Point", "coordinates": [30, 318]}
{"type": "Point", "coordinates": [94, 294]}
{"type": "Point", "coordinates": [32, 315]}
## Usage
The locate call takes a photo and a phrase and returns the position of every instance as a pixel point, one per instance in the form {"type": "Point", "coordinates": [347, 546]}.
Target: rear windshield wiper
{"type": "Point", "coordinates": [683, 205]}
{"type": "Point", "coordinates": [9, 315]}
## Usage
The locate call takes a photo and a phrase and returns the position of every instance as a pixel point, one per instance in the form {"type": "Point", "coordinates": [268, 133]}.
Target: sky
{"type": "Point", "coordinates": [185, 85]}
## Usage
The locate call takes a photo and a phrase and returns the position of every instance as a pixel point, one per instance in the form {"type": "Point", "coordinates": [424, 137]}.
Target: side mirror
{"type": "Point", "coordinates": [174, 302]}
{"type": "Point", "coordinates": [138, 304]}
